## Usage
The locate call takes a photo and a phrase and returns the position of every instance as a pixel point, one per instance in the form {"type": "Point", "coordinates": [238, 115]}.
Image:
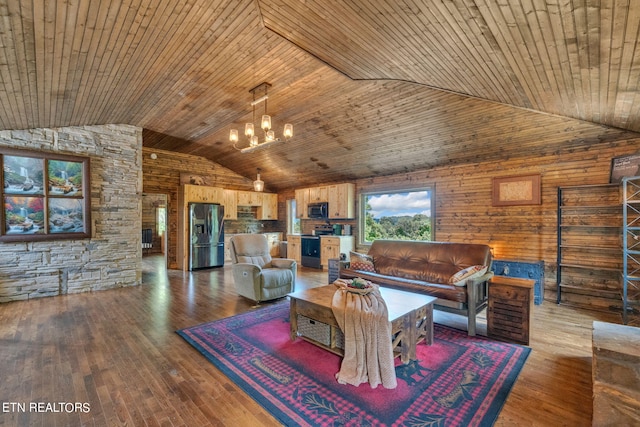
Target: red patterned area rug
{"type": "Point", "coordinates": [457, 381]}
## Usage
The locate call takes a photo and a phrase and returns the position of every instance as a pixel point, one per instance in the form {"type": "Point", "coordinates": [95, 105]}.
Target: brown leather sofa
{"type": "Point", "coordinates": [426, 267]}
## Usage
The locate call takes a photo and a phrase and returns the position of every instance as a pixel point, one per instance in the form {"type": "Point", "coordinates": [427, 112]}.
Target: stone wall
{"type": "Point", "coordinates": [111, 258]}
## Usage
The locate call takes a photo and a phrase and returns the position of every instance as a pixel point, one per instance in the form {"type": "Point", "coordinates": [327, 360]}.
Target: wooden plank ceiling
{"type": "Point", "coordinates": [372, 87]}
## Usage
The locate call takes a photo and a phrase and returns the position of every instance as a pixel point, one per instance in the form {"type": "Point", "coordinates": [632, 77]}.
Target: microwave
{"type": "Point", "coordinates": [318, 210]}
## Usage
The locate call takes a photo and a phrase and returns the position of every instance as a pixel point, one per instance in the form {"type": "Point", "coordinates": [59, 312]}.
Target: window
{"type": "Point", "coordinates": [161, 220]}
{"type": "Point", "coordinates": [397, 215]}
{"type": "Point", "coordinates": [293, 222]}
{"type": "Point", "coordinates": [45, 196]}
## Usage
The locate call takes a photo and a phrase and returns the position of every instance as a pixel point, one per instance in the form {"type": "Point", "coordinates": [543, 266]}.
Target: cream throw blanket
{"type": "Point", "coordinates": [368, 355]}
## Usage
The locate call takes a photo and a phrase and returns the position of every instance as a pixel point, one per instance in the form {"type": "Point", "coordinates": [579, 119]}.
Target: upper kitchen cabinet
{"type": "Point", "coordinates": [268, 209]}
{"type": "Point", "coordinates": [230, 204]}
{"type": "Point", "coordinates": [318, 194]}
{"type": "Point", "coordinates": [249, 198]}
{"type": "Point", "coordinates": [302, 200]}
{"type": "Point", "coordinates": [342, 201]}
{"type": "Point", "coordinates": [267, 203]}
{"type": "Point", "coordinates": [202, 194]}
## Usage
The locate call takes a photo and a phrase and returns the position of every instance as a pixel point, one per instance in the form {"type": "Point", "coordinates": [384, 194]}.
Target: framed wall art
{"type": "Point", "coordinates": [516, 190]}
{"type": "Point", "coordinates": [45, 196]}
{"type": "Point", "coordinates": [624, 166]}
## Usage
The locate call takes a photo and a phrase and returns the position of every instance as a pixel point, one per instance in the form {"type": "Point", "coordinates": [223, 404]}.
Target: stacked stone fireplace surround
{"type": "Point", "coordinates": [111, 257]}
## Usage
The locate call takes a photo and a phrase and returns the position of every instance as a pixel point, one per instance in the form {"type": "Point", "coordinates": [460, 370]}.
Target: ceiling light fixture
{"type": "Point", "coordinates": [258, 184]}
{"type": "Point", "coordinates": [265, 125]}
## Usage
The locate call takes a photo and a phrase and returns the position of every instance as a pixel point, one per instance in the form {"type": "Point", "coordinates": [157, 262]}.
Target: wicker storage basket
{"type": "Point", "coordinates": [314, 330]}
{"type": "Point", "coordinates": [320, 332]}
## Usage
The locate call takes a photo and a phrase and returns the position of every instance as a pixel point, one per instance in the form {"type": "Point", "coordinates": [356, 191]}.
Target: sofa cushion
{"type": "Point", "coordinates": [361, 262]}
{"type": "Point", "coordinates": [439, 290]}
{"type": "Point", "coordinates": [461, 277]}
{"type": "Point", "coordinates": [276, 278]}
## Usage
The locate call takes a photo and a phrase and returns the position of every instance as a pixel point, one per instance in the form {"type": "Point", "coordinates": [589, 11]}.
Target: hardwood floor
{"type": "Point", "coordinates": [118, 352]}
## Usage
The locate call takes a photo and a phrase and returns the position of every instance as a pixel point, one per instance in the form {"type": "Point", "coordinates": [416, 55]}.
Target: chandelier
{"type": "Point", "coordinates": [265, 125]}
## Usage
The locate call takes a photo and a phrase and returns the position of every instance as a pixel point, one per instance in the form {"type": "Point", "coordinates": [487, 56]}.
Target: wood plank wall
{"type": "Point", "coordinates": [464, 211]}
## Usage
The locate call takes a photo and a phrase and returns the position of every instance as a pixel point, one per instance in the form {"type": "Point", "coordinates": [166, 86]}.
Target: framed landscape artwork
{"type": "Point", "coordinates": [45, 196]}
{"type": "Point", "coordinates": [516, 190]}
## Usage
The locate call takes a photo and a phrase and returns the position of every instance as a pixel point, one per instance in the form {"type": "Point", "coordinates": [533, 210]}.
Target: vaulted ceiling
{"type": "Point", "coordinates": [372, 87]}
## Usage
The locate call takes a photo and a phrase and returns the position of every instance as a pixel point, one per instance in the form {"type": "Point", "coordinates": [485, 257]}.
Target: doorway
{"type": "Point", "coordinates": [154, 224]}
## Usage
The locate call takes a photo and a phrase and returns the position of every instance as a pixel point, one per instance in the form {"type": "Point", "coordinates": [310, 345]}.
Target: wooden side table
{"type": "Point", "coordinates": [509, 310]}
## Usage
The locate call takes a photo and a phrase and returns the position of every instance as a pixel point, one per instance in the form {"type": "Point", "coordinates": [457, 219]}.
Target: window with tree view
{"type": "Point", "coordinates": [399, 215]}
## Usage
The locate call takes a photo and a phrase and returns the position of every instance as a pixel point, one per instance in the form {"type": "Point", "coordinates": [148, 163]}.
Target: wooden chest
{"type": "Point", "coordinates": [509, 309]}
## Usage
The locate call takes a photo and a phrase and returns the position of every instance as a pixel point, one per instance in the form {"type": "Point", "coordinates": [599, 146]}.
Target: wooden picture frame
{"type": "Point", "coordinates": [516, 190]}
{"type": "Point", "coordinates": [45, 196]}
{"type": "Point", "coordinates": [624, 166]}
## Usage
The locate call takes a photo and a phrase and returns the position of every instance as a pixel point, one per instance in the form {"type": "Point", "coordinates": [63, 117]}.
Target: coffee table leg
{"type": "Point", "coordinates": [409, 338]}
{"type": "Point", "coordinates": [411, 334]}
{"type": "Point", "coordinates": [428, 327]}
{"type": "Point", "coordinates": [293, 319]}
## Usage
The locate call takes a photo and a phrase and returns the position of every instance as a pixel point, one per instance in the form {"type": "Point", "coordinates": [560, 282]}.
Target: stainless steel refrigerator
{"type": "Point", "coordinates": [206, 235]}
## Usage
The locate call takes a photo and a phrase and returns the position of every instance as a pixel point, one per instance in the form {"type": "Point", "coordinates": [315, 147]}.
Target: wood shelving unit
{"type": "Point", "coordinates": [589, 257]}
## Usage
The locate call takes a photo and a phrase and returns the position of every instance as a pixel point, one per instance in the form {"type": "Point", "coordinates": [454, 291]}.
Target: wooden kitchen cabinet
{"type": "Point", "coordinates": [249, 198]}
{"type": "Point", "coordinates": [302, 200]}
{"type": "Point", "coordinates": [230, 203]}
{"type": "Point", "coordinates": [294, 248]}
{"type": "Point", "coordinates": [342, 201]}
{"type": "Point", "coordinates": [333, 246]}
{"type": "Point", "coordinates": [318, 194]}
{"type": "Point", "coordinates": [329, 248]}
{"type": "Point", "coordinates": [202, 194]}
{"type": "Point", "coordinates": [268, 209]}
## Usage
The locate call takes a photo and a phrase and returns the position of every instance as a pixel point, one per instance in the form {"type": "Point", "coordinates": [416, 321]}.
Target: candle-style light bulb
{"type": "Point", "coordinates": [288, 131]}
{"type": "Point", "coordinates": [248, 130]}
{"type": "Point", "coordinates": [233, 135]}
